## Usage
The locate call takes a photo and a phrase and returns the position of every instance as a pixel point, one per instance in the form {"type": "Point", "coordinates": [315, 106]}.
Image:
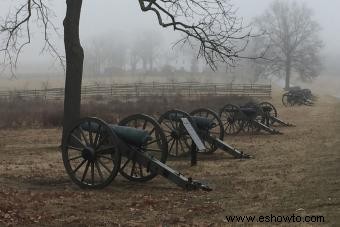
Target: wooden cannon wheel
{"type": "Point", "coordinates": [179, 141]}
{"type": "Point", "coordinates": [248, 123]}
{"type": "Point", "coordinates": [90, 153]}
{"type": "Point", "coordinates": [232, 119]}
{"type": "Point", "coordinates": [270, 110]}
{"type": "Point", "coordinates": [287, 99]}
{"type": "Point", "coordinates": [156, 147]}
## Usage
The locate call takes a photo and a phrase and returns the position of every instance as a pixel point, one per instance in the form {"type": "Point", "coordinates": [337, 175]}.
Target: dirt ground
{"type": "Point", "coordinates": [294, 173]}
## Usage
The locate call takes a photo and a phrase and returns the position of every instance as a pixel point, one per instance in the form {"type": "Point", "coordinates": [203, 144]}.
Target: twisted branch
{"type": "Point", "coordinates": [211, 23]}
{"type": "Point", "coordinates": [15, 32]}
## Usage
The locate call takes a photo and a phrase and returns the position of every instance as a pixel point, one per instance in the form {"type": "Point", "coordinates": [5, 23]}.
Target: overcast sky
{"type": "Point", "coordinates": [126, 15]}
{"type": "Point", "coordinates": [101, 16]}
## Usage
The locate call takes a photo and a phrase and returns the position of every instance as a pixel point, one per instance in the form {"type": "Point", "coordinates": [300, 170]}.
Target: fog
{"type": "Point", "coordinates": [123, 20]}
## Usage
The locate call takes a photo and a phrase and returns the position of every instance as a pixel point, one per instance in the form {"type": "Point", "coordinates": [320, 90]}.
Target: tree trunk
{"type": "Point", "coordinates": [74, 65]}
{"type": "Point", "coordinates": [288, 72]}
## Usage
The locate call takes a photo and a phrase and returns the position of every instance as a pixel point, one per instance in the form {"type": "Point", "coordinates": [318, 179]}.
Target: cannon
{"type": "Point", "coordinates": [298, 96]}
{"type": "Point", "coordinates": [205, 124]}
{"type": "Point", "coordinates": [308, 94]}
{"type": "Point", "coordinates": [270, 115]}
{"type": "Point", "coordinates": [249, 118]}
{"type": "Point", "coordinates": [94, 152]}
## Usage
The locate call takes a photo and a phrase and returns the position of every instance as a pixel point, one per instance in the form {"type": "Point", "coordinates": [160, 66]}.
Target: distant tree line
{"type": "Point", "coordinates": [110, 53]}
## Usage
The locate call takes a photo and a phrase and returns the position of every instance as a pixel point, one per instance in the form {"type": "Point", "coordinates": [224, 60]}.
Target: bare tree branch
{"type": "Point", "coordinates": [15, 32]}
{"type": "Point", "coordinates": [211, 23]}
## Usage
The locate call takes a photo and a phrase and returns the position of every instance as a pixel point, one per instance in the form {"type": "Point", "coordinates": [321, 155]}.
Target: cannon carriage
{"type": "Point", "coordinates": [204, 124]}
{"type": "Point", "coordinates": [94, 152]}
{"type": "Point", "coordinates": [249, 118]}
{"type": "Point", "coordinates": [297, 96]}
{"type": "Point", "coordinates": [270, 115]}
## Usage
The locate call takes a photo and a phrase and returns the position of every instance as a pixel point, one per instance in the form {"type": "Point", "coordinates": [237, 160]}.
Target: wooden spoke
{"type": "Point", "coordinates": [74, 158]}
{"type": "Point", "coordinates": [102, 156]}
{"type": "Point", "coordinates": [99, 171]}
{"type": "Point", "coordinates": [133, 168]}
{"type": "Point", "coordinates": [90, 133]}
{"type": "Point", "coordinates": [80, 165]}
{"type": "Point", "coordinates": [149, 149]}
{"type": "Point", "coordinates": [85, 172]}
{"type": "Point", "coordinates": [140, 169]}
{"type": "Point", "coordinates": [101, 142]}
{"type": "Point", "coordinates": [168, 126]}
{"type": "Point", "coordinates": [97, 136]}
{"type": "Point", "coordinates": [74, 148]}
{"type": "Point", "coordinates": [152, 131]}
{"type": "Point", "coordinates": [144, 125]}
{"type": "Point", "coordinates": [101, 163]}
{"type": "Point", "coordinates": [181, 145]}
{"type": "Point", "coordinates": [92, 173]}
{"type": "Point", "coordinates": [83, 135]}
{"type": "Point", "coordinates": [78, 140]}
{"type": "Point", "coordinates": [172, 144]}
{"type": "Point", "coordinates": [109, 148]}
{"type": "Point", "coordinates": [153, 141]}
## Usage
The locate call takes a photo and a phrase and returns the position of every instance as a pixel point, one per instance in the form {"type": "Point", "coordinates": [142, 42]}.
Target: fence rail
{"type": "Point", "coordinates": [131, 90]}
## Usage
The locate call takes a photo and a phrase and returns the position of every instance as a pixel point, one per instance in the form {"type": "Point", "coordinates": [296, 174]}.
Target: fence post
{"type": "Point", "coordinates": [84, 95]}
{"type": "Point", "coordinates": [136, 90]}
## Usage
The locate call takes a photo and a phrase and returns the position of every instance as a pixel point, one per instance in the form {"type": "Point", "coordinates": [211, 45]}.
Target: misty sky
{"type": "Point", "coordinates": [100, 17]}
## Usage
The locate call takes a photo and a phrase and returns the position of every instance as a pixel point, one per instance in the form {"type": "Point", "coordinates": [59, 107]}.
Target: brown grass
{"type": "Point", "coordinates": [295, 173]}
{"type": "Point", "coordinates": [19, 113]}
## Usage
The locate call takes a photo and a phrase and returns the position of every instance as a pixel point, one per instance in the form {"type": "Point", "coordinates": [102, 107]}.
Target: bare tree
{"type": "Point", "coordinates": [133, 59]}
{"type": "Point", "coordinates": [107, 52]}
{"type": "Point", "coordinates": [213, 23]}
{"type": "Point", "coordinates": [144, 49]}
{"type": "Point", "coordinates": [291, 41]}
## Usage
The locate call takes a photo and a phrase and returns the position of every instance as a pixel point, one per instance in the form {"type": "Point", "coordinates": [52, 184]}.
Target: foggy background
{"type": "Point", "coordinates": [122, 25]}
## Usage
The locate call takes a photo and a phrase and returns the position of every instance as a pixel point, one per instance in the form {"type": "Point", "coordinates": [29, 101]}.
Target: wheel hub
{"type": "Point", "coordinates": [175, 134]}
{"type": "Point", "coordinates": [89, 154]}
{"type": "Point", "coordinates": [230, 120]}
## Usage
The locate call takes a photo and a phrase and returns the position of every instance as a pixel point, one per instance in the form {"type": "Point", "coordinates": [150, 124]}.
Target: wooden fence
{"type": "Point", "coordinates": [132, 90]}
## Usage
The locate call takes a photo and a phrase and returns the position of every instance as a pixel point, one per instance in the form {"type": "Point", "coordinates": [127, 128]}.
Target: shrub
{"type": "Point", "coordinates": [18, 112]}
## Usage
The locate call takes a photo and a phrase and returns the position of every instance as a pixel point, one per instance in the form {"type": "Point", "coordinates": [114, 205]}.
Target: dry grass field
{"type": "Point", "coordinates": [294, 173]}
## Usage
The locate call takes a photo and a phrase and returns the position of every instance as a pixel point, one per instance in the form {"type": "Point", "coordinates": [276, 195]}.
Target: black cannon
{"type": "Point", "coordinates": [297, 96]}
{"type": "Point", "coordinates": [270, 116]}
{"type": "Point", "coordinates": [94, 152]}
{"type": "Point", "coordinates": [250, 118]}
{"type": "Point", "coordinates": [182, 130]}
